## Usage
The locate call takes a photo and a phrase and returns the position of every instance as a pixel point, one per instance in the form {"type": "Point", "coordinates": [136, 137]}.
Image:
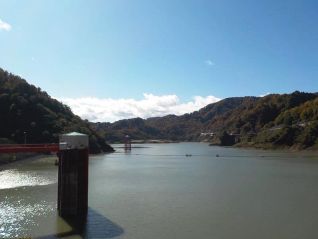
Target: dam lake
{"type": "Point", "coordinates": [170, 191]}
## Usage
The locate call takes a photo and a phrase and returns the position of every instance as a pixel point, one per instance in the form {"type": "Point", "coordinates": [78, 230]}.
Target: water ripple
{"type": "Point", "coordinates": [13, 178]}
{"type": "Point", "coordinates": [16, 217]}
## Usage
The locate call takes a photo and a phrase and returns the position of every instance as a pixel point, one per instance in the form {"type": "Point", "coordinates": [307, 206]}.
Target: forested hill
{"type": "Point", "coordinates": [286, 120]}
{"type": "Point", "coordinates": [27, 111]}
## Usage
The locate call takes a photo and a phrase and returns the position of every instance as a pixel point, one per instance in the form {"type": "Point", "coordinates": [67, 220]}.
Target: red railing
{"type": "Point", "coordinates": [25, 148]}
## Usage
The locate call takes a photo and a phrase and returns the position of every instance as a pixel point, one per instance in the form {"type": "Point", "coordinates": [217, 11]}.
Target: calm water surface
{"type": "Point", "coordinates": [155, 191]}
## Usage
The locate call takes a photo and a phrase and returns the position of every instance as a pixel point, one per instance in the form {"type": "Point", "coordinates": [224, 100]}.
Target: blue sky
{"type": "Point", "coordinates": [128, 49]}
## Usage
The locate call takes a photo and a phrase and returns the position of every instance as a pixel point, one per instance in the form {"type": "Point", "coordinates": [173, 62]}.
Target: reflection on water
{"type": "Point", "coordinates": [13, 178]}
{"type": "Point", "coordinates": [98, 226]}
{"type": "Point", "coordinates": [28, 197]}
{"type": "Point", "coordinates": [157, 192]}
{"type": "Point", "coordinates": [95, 225]}
{"type": "Point", "coordinates": [17, 216]}
{"type": "Point", "coordinates": [22, 214]}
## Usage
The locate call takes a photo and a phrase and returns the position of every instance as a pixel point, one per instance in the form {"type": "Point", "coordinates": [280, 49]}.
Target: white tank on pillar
{"type": "Point", "coordinates": [73, 140]}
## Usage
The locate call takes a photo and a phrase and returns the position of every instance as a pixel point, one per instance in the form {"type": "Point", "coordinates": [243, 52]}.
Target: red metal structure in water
{"type": "Point", "coordinates": [26, 148]}
{"type": "Point", "coordinates": [127, 141]}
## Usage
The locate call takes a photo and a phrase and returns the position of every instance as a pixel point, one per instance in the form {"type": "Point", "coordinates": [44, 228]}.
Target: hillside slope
{"type": "Point", "coordinates": [186, 127]}
{"type": "Point", "coordinates": [28, 113]}
{"type": "Point", "coordinates": [254, 121]}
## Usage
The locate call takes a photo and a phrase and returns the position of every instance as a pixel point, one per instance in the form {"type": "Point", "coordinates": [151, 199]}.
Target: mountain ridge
{"type": "Point", "coordinates": [28, 114]}
{"type": "Point", "coordinates": [275, 120]}
{"type": "Point", "coordinates": [246, 117]}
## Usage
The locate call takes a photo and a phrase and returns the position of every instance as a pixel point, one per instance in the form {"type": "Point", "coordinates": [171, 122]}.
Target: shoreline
{"type": "Point", "coordinates": [23, 158]}
{"type": "Point", "coordinates": [5, 158]}
{"type": "Point", "coordinates": [30, 157]}
{"type": "Point", "coordinates": [293, 148]}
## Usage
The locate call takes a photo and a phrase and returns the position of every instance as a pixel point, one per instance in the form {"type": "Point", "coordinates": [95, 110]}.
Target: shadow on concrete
{"type": "Point", "coordinates": [94, 225]}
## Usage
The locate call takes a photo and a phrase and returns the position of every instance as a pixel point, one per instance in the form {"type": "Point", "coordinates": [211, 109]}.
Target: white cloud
{"type": "Point", "coordinates": [264, 94]}
{"type": "Point", "coordinates": [110, 110]}
{"type": "Point", "coordinates": [5, 26]}
{"type": "Point", "coordinates": [209, 63]}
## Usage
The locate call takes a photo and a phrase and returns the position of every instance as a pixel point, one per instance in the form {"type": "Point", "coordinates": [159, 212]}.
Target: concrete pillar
{"type": "Point", "coordinates": [73, 175]}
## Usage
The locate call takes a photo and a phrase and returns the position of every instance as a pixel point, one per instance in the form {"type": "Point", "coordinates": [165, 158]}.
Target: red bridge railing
{"type": "Point", "coordinates": [25, 148]}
